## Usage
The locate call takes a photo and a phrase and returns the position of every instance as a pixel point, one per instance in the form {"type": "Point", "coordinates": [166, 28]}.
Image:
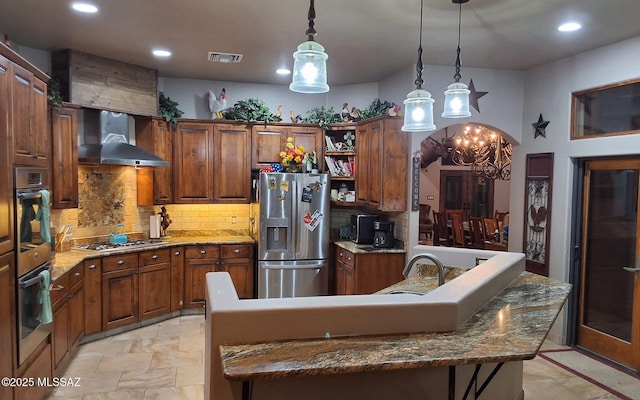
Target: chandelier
{"type": "Point", "coordinates": [487, 152]}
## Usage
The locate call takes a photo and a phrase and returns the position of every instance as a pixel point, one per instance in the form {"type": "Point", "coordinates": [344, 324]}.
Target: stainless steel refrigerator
{"type": "Point", "coordinates": [293, 240]}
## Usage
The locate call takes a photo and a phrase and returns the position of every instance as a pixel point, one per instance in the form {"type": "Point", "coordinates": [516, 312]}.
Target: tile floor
{"type": "Point", "coordinates": [164, 361]}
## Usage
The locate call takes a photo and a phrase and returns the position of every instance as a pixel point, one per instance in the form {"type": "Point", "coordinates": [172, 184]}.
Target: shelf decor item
{"type": "Point", "coordinates": [169, 109]}
{"type": "Point", "coordinates": [293, 157]}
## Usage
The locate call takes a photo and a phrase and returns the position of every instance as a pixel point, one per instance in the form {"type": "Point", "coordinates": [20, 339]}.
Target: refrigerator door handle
{"type": "Point", "coordinates": [296, 266]}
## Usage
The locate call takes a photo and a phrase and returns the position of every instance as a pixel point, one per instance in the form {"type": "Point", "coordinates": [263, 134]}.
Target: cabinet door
{"type": "Point", "coordinates": [376, 271]}
{"type": "Point", "coordinates": [155, 290]}
{"type": "Point", "coordinates": [194, 280]}
{"type": "Point", "coordinates": [119, 298]}
{"type": "Point", "coordinates": [232, 173]}
{"type": "Point", "coordinates": [362, 165]}
{"type": "Point", "coordinates": [310, 137]}
{"type": "Point", "coordinates": [242, 275]}
{"type": "Point", "coordinates": [394, 156]}
{"type": "Point", "coordinates": [60, 334]}
{"type": "Point", "coordinates": [76, 315]}
{"type": "Point", "coordinates": [92, 296]}
{"type": "Point", "coordinates": [266, 144]}
{"type": "Point", "coordinates": [177, 278]}
{"type": "Point", "coordinates": [374, 164]}
{"type": "Point", "coordinates": [463, 190]}
{"type": "Point", "coordinates": [6, 178]}
{"type": "Point", "coordinates": [193, 163]}
{"type": "Point", "coordinates": [7, 316]}
{"type": "Point", "coordinates": [40, 133]}
{"type": "Point", "coordinates": [64, 157]}
{"type": "Point", "coordinates": [155, 185]}
{"type": "Point", "coordinates": [21, 114]}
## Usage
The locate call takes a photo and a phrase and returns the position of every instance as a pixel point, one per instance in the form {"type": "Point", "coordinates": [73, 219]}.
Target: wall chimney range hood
{"type": "Point", "coordinates": [105, 140]}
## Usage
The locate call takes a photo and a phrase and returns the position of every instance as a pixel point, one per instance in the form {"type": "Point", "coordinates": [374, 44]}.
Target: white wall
{"type": "Point", "coordinates": [548, 91]}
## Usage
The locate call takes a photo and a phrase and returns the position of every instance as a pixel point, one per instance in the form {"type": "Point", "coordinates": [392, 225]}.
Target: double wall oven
{"type": "Point", "coordinates": [34, 256]}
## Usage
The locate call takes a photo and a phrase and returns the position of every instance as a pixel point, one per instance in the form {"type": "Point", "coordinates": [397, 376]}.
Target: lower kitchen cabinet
{"type": "Point", "coordinates": [67, 298]}
{"type": "Point", "coordinates": [366, 273]}
{"type": "Point", "coordinates": [92, 296]}
{"type": "Point", "coordinates": [119, 290]}
{"type": "Point", "coordinates": [38, 368]}
{"type": "Point", "coordinates": [177, 278]}
{"type": "Point", "coordinates": [7, 321]}
{"type": "Point", "coordinates": [232, 258]}
{"type": "Point", "coordinates": [154, 283]}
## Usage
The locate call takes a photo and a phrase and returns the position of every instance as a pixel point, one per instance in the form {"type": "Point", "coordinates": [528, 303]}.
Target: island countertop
{"type": "Point", "coordinates": [511, 327]}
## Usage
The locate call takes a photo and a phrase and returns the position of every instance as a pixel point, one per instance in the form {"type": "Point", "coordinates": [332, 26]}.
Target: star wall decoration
{"type": "Point", "coordinates": [539, 127]}
{"type": "Point", "coordinates": [474, 96]}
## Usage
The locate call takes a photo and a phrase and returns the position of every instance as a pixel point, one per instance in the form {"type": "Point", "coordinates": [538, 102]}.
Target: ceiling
{"type": "Point", "coordinates": [366, 40]}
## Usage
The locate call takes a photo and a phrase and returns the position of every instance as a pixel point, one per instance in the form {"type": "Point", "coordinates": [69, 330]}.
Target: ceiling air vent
{"type": "Point", "coordinates": [215, 56]}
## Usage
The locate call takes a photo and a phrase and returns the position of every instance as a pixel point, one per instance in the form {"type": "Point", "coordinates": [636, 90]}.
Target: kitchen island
{"type": "Point", "coordinates": [488, 347]}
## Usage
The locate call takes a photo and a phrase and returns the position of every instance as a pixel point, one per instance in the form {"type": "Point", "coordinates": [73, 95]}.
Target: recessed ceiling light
{"type": "Point", "coordinates": [87, 8]}
{"type": "Point", "coordinates": [569, 27]}
{"type": "Point", "coordinates": [283, 71]}
{"type": "Point", "coordinates": [161, 53]}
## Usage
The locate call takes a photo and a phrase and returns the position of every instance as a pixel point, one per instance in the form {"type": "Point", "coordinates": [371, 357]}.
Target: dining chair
{"type": "Point", "coordinates": [440, 229]}
{"type": "Point", "coordinates": [459, 239]}
{"type": "Point", "coordinates": [490, 226]}
{"type": "Point", "coordinates": [477, 233]}
{"type": "Point", "coordinates": [425, 223]}
{"type": "Point", "coordinates": [451, 212]}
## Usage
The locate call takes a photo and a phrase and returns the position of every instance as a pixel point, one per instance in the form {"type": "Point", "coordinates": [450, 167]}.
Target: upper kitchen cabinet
{"type": "Point", "coordinates": [232, 172]}
{"type": "Point", "coordinates": [193, 162]}
{"type": "Point", "coordinates": [155, 185]}
{"type": "Point", "coordinates": [381, 170]}
{"type": "Point", "coordinates": [64, 155]}
{"type": "Point", "coordinates": [6, 179]}
{"type": "Point", "coordinates": [27, 123]}
{"type": "Point", "coordinates": [269, 140]}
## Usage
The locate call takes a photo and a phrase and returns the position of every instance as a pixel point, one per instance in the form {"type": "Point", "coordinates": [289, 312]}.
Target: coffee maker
{"type": "Point", "coordinates": [383, 234]}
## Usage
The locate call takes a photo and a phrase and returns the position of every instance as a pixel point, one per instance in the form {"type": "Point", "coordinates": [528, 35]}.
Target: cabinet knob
{"type": "Point", "coordinates": [349, 258]}
{"type": "Point", "coordinates": [92, 266]}
{"type": "Point", "coordinates": [236, 251]}
{"type": "Point", "coordinates": [341, 255]}
{"type": "Point", "coordinates": [154, 256]}
{"type": "Point", "coordinates": [77, 274]}
{"type": "Point", "coordinates": [120, 262]}
{"type": "Point", "coordinates": [58, 287]}
{"type": "Point", "coordinates": [203, 252]}
{"type": "Point", "coordinates": [177, 253]}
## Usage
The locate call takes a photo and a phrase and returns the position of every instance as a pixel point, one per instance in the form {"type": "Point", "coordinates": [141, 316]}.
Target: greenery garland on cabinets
{"type": "Point", "coordinates": [376, 108]}
{"type": "Point", "coordinates": [168, 109]}
{"type": "Point", "coordinates": [251, 110]}
{"type": "Point", "coordinates": [323, 117]}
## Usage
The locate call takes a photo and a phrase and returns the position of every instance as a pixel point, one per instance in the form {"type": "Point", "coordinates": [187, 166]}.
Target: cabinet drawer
{"type": "Point", "coordinates": [236, 251]}
{"type": "Point", "coordinates": [59, 289]}
{"type": "Point", "coordinates": [345, 256]}
{"type": "Point", "coordinates": [76, 275]}
{"type": "Point", "coordinates": [158, 256]}
{"type": "Point", "coordinates": [119, 262]}
{"type": "Point", "coordinates": [203, 251]}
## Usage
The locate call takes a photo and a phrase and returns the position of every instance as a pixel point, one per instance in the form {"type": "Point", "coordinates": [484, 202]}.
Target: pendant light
{"type": "Point", "coordinates": [310, 62]}
{"type": "Point", "coordinates": [418, 107]}
{"type": "Point", "coordinates": [456, 97]}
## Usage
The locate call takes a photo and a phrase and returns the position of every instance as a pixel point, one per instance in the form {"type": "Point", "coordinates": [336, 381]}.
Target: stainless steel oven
{"type": "Point", "coordinates": [34, 255]}
{"type": "Point", "coordinates": [33, 322]}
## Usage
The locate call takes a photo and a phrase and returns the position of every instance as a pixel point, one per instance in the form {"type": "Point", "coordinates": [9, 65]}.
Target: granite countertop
{"type": "Point", "coordinates": [366, 248]}
{"type": "Point", "coordinates": [511, 327]}
{"type": "Point", "coordinates": [64, 261]}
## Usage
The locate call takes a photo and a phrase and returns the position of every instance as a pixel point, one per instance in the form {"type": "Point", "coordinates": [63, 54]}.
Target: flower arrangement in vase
{"type": "Point", "coordinates": [293, 156]}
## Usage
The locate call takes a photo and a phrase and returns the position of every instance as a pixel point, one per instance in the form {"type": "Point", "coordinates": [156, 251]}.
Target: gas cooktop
{"type": "Point", "coordinates": [104, 247]}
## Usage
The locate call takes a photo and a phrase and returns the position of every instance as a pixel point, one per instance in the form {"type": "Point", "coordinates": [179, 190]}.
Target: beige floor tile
{"type": "Point", "coordinates": [184, 329]}
{"type": "Point", "coordinates": [176, 393]}
{"type": "Point", "coordinates": [149, 331]}
{"type": "Point", "coordinates": [190, 375]}
{"type": "Point", "coordinates": [126, 394]}
{"type": "Point", "coordinates": [539, 368]}
{"type": "Point", "coordinates": [125, 362]}
{"type": "Point", "coordinates": [176, 359]}
{"type": "Point", "coordinates": [149, 378]}
{"type": "Point", "coordinates": [95, 382]}
{"type": "Point", "coordinates": [191, 343]}
{"type": "Point", "coordinates": [150, 345]}
{"type": "Point", "coordinates": [105, 346]}
{"type": "Point", "coordinates": [83, 364]}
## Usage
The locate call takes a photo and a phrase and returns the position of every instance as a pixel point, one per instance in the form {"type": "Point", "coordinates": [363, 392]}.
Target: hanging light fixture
{"type": "Point", "coordinates": [418, 110]}
{"type": "Point", "coordinates": [310, 62]}
{"type": "Point", "coordinates": [456, 97]}
{"type": "Point", "coordinates": [485, 151]}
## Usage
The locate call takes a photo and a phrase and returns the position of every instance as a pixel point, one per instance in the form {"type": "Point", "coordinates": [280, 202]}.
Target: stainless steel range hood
{"type": "Point", "coordinates": [104, 139]}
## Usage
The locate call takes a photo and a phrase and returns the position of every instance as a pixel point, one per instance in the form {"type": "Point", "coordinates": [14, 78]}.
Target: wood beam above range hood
{"type": "Point", "coordinates": [96, 82]}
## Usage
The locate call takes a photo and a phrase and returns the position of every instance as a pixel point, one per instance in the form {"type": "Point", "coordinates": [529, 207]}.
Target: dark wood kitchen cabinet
{"type": "Point", "coordinates": [267, 141]}
{"type": "Point", "coordinates": [193, 163]}
{"type": "Point", "coordinates": [366, 273]}
{"type": "Point", "coordinates": [64, 156]}
{"type": "Point", "coordinates": [31, 137]}
{"type": "Point", "coordinates": [236, 259]}
{"type": "Point", "coordinates": [67, 299]}
{"type": "Point", "coordinates": [381, 171]}
{"type": "Point", "coordinates": [92, 296]}
{"type": "Point", "coordinates": [7, 321]}
{"type": "Point", "coordinates": [119, 290]}
{"type": "Point", "coordinates": [177, 278]}
{"type": "Point", "coordinates": [232, 168]}
{"type": "Point", "coordinates": [6, 173]}
{"type": "Point", "coordinates": [155, 185]}
{"type": "Point", "coordinates": [154, 283]}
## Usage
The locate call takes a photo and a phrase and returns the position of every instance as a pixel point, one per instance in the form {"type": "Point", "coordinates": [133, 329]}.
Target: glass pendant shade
{"type": "Point", "coordinates": [309, 69]}
{"type": "Point", "coordinates": [418, 112]}
{"type": "Point", "coordinates": [456, 101]}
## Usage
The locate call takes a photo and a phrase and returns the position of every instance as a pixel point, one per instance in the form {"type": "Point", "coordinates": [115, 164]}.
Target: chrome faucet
{"type": "Point", "coordinates": [430, 257]}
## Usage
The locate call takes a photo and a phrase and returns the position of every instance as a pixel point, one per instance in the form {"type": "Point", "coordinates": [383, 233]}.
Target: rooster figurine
{"type": "Point", "coordinates": [295, 118]}
{"type": "Point", "coordinates": [217, 105]}
{"type": "Point", "coordinates": [345, 114]}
